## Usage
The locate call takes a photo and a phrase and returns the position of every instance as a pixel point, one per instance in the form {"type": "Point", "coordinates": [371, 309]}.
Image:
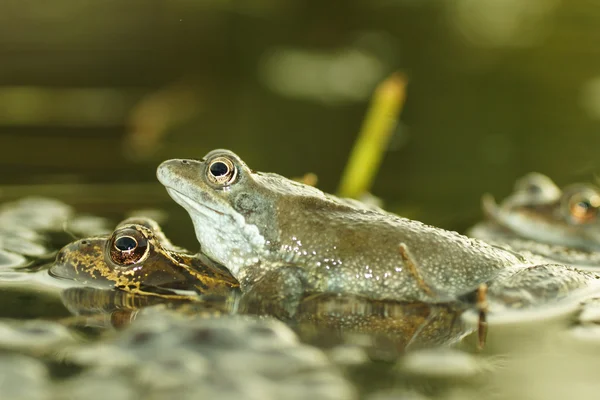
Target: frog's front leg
{"type": "Point", "coordinates": [478, 300]}
{"type": "Point", "coordinates": [277, 293]}
{"type": "Point", "coordinates": [482, 308]}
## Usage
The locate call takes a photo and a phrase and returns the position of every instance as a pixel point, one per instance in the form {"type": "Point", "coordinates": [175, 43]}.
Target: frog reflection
{"type": "Point", "coordinates": [384, 328]}
{"type": "Point", "coordinates": [540, 218]}
{"type": "Point", "coordinates": [138, 258]}
{"type": "Point", "coordinates": [107, 309]}
{"type": "Point", "coordinates": [388, 327]}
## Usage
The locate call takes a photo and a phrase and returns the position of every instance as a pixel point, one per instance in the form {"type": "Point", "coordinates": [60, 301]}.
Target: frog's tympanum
{"type": "Point", "coordinates": [561, 225]}
{"type": "Point", "coordinates": [138, 258]}
{"type": "Point", "coordinates": [282, 239]}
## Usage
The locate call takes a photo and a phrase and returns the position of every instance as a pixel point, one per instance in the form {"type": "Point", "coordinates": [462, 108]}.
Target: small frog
{"type": "Point", "coordinates": [282, 239]}
{"type": "Point", "coordinates": [540, 218]}
{"type": "Point", "coordinates": [138, 258]}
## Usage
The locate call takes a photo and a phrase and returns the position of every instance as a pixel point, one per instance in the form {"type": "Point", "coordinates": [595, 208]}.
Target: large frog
{"type": "Point", "coordinates": [137, 257]}
{"type": "Point", "coordinates": [539, 217]}
{"type": "Point", "coordinates": [282, 239]}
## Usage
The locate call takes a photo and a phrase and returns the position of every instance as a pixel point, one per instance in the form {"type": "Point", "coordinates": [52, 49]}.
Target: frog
{"type": "Point", "coordinates": [138, 258]}
{"type": "Point", "coordinates": [283, 240]}
{"type": "Point", "coordinates": [539, 218]}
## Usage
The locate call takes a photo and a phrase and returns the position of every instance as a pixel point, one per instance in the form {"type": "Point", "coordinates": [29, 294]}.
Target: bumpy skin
{"type": "Point", "coordinates": [159, 271]}
{"type": "Point", "coordinates": [276, 235]}
{"type": "Point", "coordinates": [537, 218]}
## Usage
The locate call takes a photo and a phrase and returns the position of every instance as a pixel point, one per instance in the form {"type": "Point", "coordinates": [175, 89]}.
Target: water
{"type": "Point", "coordinates": [371, 349]}
{"type": "Point", "coordinates": [88, 110]}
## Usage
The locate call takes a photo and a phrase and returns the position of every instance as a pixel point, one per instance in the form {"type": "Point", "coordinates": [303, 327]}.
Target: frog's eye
{"type": "Point", "coordinates": [529, 184]}
{"type": "Point", "coordinates": [538, 187]}
{"type": "Point", "coordinates": [583, 207]}
{"type": "Point", "coordinates": [533, 188]}
{"type": "Point", "coordinates": [221, 171]}
{"type": "Point", "coordinates": [128, 246]}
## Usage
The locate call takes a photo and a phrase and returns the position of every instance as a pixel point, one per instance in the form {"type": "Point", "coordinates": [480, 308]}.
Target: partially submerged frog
{"type": "Point", "coordinates": [539, 217]}
{"type": "Point", "coordinates": [282, 239]}
{"type": "Point", "coordinates": [138, 258]}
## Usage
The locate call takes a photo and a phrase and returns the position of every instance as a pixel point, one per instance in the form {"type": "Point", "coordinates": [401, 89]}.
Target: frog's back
{"type": "Point", "coordinates": [379, 255]}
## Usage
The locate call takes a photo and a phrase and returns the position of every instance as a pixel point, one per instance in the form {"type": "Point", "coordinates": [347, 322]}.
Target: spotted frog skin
{"type": "Point", "coordinates": [138, 258]}
{"type": "Point", "coordinates": [282, 239]}
{"type": "Point", "coordinates": [561, 225]}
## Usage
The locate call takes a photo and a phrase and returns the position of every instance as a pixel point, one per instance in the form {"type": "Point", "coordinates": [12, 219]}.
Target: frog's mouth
{"type": "Point", "coordinates": [191, 205]}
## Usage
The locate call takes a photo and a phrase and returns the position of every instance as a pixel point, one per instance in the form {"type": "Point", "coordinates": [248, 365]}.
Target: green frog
{"type": "Point", "coordinates": [138, 258]}
{"type": "Point", "coordinates": [562, 225]}
{"type": "Point", "coordinates": [283, 240]}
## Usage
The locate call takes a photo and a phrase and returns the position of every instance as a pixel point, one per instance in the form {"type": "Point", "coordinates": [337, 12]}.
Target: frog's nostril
{"type": "Point", "coordinates": [184, 161]}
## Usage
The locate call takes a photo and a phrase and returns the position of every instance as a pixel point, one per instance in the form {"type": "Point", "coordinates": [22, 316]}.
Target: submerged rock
{"type": "Point", "coordinates": [443, 364]}
{"type": "Point", "coordinates": [23, 378]}
{"type": "Point", "coordinates": [34, 337]}
{"type": "Point", "coordinates": [172, 356]}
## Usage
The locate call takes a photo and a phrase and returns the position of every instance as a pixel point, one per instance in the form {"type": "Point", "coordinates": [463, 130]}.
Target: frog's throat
{"type": "Point", "coordinates": [245, 241]}
{"type": "Point", "coordinates": [189, 204]}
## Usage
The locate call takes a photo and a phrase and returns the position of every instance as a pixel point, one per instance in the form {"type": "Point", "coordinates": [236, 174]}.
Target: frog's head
{"type": "Point", "coordinates": [133, 258]}
{"type": "Point", "coordinates": [235, 210]}
{"type": "Point", "coordinates": [539, 210]}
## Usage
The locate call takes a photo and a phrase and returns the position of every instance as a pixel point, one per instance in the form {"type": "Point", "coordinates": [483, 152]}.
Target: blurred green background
{"type": "Point", "coordinates": [95, 94]}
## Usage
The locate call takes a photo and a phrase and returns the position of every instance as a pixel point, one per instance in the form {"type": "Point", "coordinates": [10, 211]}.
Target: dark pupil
{"type": "Point", "coordinates": [219, 169]}
{"type": "Point", "coordinates": [534, 189]}
{"type": "Point", "coordinates": [584, 204]}
{"type": "Point", "coordinates": [125, 243]}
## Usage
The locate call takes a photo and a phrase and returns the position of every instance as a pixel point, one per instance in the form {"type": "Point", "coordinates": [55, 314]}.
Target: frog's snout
{"type": "Point", "coordinates": [162, 172]}
{"type": "Point", "coordinates": [169, 172]}
{"type": "Point", "coordinates": [71, 258]}
{"type": "Point", "coordinates": [63, 266]}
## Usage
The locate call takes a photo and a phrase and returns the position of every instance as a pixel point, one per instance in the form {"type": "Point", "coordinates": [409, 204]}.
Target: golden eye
{"type": "Point", "coordinates": [128, 246]}
{"type": "Point", "coordinates": [583, 209]}
{"type": "Point", "coordinates": [221, 171]}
